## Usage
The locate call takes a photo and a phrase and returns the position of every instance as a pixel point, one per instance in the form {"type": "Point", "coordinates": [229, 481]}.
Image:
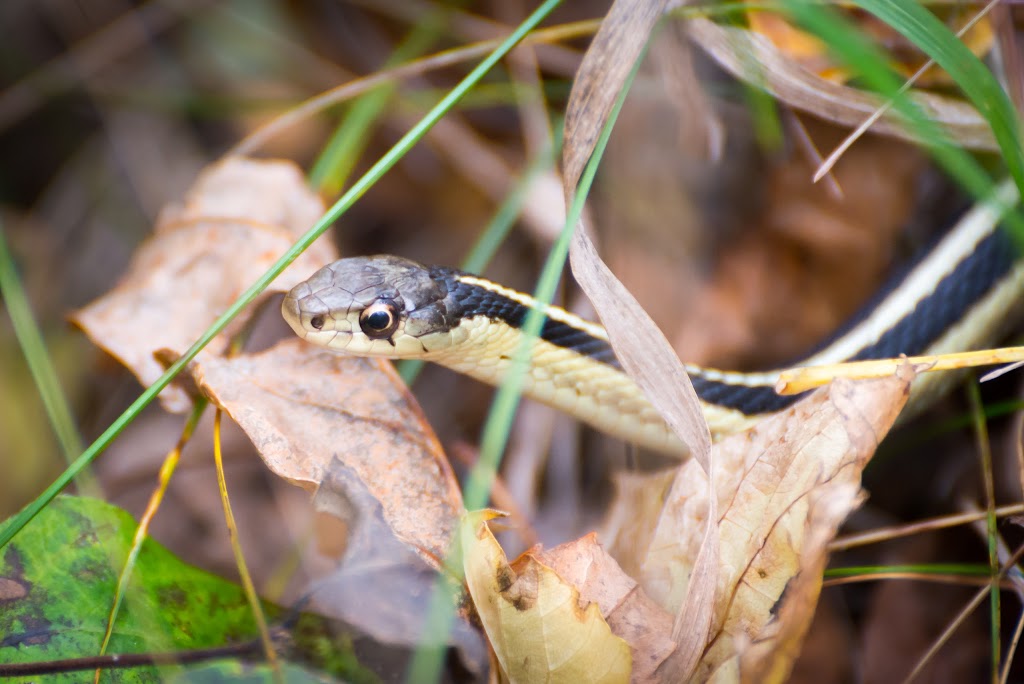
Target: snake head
{"type": "Point", "coordinates": [369, 306]}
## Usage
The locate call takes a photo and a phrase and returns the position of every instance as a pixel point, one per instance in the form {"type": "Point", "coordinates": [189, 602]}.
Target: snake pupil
{"type": "Point", "coordinates": [379, 320]}
{"type": "Point", "coordinates": [317, 322]}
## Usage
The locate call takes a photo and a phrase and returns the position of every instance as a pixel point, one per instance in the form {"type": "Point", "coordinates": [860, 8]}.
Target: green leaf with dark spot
{"type": "Point", "coordinates": [58, 578]}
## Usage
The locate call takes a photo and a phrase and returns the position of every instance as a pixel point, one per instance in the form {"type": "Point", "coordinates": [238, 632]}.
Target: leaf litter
{"type": "Point", "coordinates": [724, 567]}
{"type": "Point", "coordinates": [343, 427]}
{"type": "Point", "coordinates": [306, 409]}
{"type": "Point", "coordinates": [781, 491]}
{"type": "Point", "coordinates": [739, 544]}
{"type": "Point", "coordinates": [239, 217]}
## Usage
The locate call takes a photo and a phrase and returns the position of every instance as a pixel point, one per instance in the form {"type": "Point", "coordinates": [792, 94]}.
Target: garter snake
{"type": "Point", "coordinates": [957, 296]}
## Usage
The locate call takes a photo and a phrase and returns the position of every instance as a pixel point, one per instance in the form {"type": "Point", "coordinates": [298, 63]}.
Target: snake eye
{"type": "Point", "coordinates": [379, 320]}
{"type": "Point", "coordinates": [317, 322]}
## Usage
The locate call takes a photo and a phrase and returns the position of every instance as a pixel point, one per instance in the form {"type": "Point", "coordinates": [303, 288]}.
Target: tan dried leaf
{"type": "Point", "coordinates": [237, 220]}
{"type": "Point", "coordinates": [380, 585]}
{"type": "Point", "coordinates": [638, 343]}
{"type": "Point", "coordinates": [539, 626]}
{"type": "Point", "coordinates": [782, 490]}
{"type": "Point", "coordinates": [303, 407]}
{"type": "Point", "coordinates": [904, 57]}
{"type": "Point", "coordinates": [649, 359]}
{"type": "Point", "coordinates": [632, 520]}
{"type": "Point", "coordinates": [609, 59]}
{"type": "Point", "coordinates": [630, 613]}
{"type": "Point", "coordinates": [753, 58]}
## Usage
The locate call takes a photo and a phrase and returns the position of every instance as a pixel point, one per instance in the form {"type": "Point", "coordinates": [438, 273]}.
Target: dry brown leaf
{"type": "Point", "coordinates": [237, 220]}
{"type": "Point", "coordinates": [631, 522]}
{"type": "Point", "coordinates": [539, 626]}
{"type": "Point", "coordinates": [905, 58]}
{"type": "Point", "coordinates": [649, 359]}
{"type": "Point", "coordinates": [754, 59]}
{"type": "Point", "coordinates": [782, 490]}
{"type": "Point", "coordinates": [380, 585]}
{"type": "Point", "coordinates": [303, 407]}
{"type": "Point", "coordinates": [630, 613]}
{"type": "Point", "coordinates": [609, 59]}
{"type": "Point", "coordinates": [638, 343]}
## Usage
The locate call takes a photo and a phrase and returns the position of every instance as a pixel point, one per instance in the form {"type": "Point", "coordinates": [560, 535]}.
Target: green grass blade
{"type": "Point", "coordinates": [426, 663]}
{"type": "Point", "coordinates": [33, 347]}
{"type": "Point", "coordinates": [962, 569]}
{"type": "Point", "coordinates": [495, 232]}
{"type": "Point", "coordinates": [924, 29]}
{"type": "Point", "coordinates": [332, 169]}
{"type": "Point", "coordinates": [991, 521]}
{"type": "Point", "coordinates": [848, 43]}
{"type": "Point", "coordinates": [17, 522]}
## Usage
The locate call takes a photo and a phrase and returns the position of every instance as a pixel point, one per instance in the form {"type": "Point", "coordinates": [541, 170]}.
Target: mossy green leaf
{"type": "Point", "coordinates": [58, 578]}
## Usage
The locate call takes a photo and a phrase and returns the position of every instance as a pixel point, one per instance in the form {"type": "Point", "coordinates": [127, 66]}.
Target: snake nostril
{"type": "Point", "coordinates": [317, 322]}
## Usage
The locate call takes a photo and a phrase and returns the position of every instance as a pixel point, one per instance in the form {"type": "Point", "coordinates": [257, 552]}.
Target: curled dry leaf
{"type": "Point", "coordinates": [540, 627]}
{"type": "Point", "coordinates": [380, 585]}
{"type": "Point", "coordinates": [304, 407]}
{"type": "Point", "coordinates": [782, 490]}
{"type": "Point", "coordinates": [905, 58]}
{"type": "Point", "coordinates": [238, 219]}
{"type": "Point", "coordinates": [650, 360]}
{"type": "Point", "coordinates": [609, 59]}
{"type": "Point", "coordinates": [754, 59]}
{"type": "Point", "coordinates": [630, 613]}
{"type": "Point", "coordinates": [638, 343]}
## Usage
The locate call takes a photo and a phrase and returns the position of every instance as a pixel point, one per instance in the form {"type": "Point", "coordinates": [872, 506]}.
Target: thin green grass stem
{"type": "Point", "coordinates": [33, 347]}
{"type": "Point", "coordinates": [496, 230]}
{"type": "Point", "coordinates": [963, 569]}
{"type": "Point", "coordinates": [991, 521]}
{"type": "Point", "coordinates": [428, 660]}
{"type": "Point", "coordinates": [18, 521]}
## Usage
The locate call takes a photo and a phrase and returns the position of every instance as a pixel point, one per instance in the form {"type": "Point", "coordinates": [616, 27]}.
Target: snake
{"type": "Point", "coordinates": [960, 294]}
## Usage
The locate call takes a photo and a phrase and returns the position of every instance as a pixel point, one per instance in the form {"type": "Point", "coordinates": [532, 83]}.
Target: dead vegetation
{"type": "Point", "coordinates": [704, 238]}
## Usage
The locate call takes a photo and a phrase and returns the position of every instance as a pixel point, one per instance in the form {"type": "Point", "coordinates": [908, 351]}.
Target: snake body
{"type": "Point", "coordinates": [959, 295]}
